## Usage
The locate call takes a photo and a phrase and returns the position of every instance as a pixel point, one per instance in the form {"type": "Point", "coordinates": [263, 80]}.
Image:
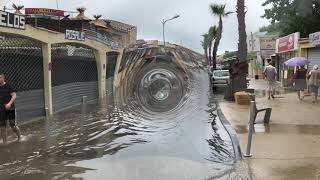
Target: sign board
{"type": "Point", "coordinates": [12, 20]}
{"type": "Point", "coordinates": [44, 16]}
{"type": "Point", "coordinates": [265, 54]}
{"type": "Point", "coordinates": [314, 38]}
{"type": "Point", "coordinates": [287, 43]}
{"type": "Point", "coordinates": [267, 43]}
{"type": "Point", "coordinates": [45, 11]}
{"type": "Point", "coordinates": [75, 35]}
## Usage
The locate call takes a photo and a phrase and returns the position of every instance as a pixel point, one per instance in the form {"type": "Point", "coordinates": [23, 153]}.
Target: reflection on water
{"type": "Point", "coordinates": [160, 124]}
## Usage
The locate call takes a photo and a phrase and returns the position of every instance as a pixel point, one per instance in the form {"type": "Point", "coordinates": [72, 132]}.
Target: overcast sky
{"type": "Point", "coordinates": [147, 15]}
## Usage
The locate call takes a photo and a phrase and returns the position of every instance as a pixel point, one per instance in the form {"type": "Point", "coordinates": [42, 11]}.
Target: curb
{"type": "Point", "coordinates": [232, 133]}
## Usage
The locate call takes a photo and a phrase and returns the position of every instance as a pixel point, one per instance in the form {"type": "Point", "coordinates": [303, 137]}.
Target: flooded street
{"type": "Point", "coordinates": [161, 125]}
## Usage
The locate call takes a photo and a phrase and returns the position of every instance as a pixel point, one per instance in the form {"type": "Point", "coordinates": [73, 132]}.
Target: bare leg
{"type": "Point", "coordinates": [16, 130]}
{"type": "Point", "coordinates": [273, 93]}
{"type": "Point", "coordinates": [4, 134]}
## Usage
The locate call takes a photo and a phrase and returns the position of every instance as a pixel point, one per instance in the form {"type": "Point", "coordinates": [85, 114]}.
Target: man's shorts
{"type": "Point", "coordinates": [272, 85]}
{"type": "Point", "coordinates": [5, 116]}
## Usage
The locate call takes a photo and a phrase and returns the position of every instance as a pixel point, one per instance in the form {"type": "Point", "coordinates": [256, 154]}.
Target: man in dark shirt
{"type": "Point", "coordinates": [7, 109]}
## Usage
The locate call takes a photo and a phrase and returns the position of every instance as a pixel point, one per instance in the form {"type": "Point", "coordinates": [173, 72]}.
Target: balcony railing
{"type": "Point", "coordinates": [63, 25]}
{"type": "Point", "coordinates": [101, 38]}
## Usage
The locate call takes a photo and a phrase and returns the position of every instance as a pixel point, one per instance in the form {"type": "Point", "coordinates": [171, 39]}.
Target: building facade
{"type": "Point", "coordinates": [263, 47]}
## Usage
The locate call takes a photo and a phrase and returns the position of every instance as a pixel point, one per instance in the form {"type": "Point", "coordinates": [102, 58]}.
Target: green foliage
{"type": "Point", "coordinates": [291, 16]}
{"type": "Point", "coordinates": [205, 41]}
{"type": "Point", "coordinates": [213, 31]}
{"type": "Point", "coordinates": [230, 54]}
{"type": "Point", "coordinates": [272, 29]}
{"type": "Point", "coordinates": [219, 10]}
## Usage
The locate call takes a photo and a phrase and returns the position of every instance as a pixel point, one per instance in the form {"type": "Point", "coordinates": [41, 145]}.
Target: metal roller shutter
{"type": "Point", "coordinates": [314, 56]}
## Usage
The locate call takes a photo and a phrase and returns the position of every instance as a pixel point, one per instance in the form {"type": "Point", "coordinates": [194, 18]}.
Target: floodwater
{"type": "Point", "coordinates": [160, 123]}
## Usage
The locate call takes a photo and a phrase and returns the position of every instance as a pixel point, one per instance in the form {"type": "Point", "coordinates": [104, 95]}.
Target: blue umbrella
{"type": "Point", "coordinates": [297, 61]}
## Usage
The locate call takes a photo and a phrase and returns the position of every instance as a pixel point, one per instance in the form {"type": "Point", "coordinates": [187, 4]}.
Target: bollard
{"type": "Point", "coordinates": [83, 110]}
{"type": "Point", "coordinates": [251, 127]}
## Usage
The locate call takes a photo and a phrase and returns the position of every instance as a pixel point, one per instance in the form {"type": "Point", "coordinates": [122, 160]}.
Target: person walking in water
{"type": "Point", "coordinates": [7, 109]}
{"type": "Point", "coordinates": [314, 82]}
{"type": "Point", "coordinates": [300, 81]}
{"type": "Point", "coordinates": [270, 72]}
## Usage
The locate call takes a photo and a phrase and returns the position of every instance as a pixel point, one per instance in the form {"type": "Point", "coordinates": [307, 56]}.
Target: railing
{"type": "Point", "coordinates": [101, 38]}
{"type": "Point", "coordinates": [62, 25]}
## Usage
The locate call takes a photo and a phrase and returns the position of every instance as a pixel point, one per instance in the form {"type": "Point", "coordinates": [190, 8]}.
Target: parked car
{"type": "Point", "coordinates": [220, 78]}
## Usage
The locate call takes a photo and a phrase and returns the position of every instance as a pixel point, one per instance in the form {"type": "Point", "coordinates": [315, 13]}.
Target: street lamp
{"type": "Point", "coordinates": [163, 23]}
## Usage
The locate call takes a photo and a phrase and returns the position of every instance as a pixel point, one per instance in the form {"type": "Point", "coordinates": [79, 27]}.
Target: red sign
{"type": "Point", "coordinates": [50, 12]}
{"type": "Point", "coordinates": [288, 43]}
{"type": "Point", "coordinates": [49, 66]}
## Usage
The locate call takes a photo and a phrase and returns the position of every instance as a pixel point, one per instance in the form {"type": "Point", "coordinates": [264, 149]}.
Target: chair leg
{"type": "Point", "coordinates": [255, 117]}
{"type": "Point", "coordinates": [267, 116]}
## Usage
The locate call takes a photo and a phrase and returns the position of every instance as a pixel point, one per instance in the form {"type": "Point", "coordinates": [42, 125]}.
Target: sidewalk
{"type": "Point", "coordinates": [288, 148]}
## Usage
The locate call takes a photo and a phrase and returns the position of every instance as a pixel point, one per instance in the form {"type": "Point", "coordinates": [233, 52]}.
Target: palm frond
{"type": "Point", "coordinates": [217, 9]}
{"type": "Point", "coordinates": [213, 32]}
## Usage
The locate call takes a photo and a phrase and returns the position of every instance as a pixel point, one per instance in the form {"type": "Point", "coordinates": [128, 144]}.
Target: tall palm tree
{"type": "Point", "coordinates": [238, 80]}
{"type": "Point", "coordinates": [205, 44]}
{"type": "Point", "coordinates": [242, 45]}
{"type": "Point", "coordinates": [219, 11]}
{"type": "Point", "coordinates": [212, 36]}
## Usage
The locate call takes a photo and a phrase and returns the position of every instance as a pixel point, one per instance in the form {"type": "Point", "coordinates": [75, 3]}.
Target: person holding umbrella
{"type": "Point", "coordinates": [299, 77]}
{"type": "Point", "coordinates": [300, 81]}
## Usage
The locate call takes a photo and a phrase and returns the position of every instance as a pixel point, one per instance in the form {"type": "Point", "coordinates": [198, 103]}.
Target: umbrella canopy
{"type": "Point", "coordinates": [297, 61]}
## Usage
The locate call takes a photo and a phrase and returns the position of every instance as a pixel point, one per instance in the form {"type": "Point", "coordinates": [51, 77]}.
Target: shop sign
{"type": "Point", "coordinates": [287, 43]}
{"type": "Point", "coordinates": [267, 43]}
{"type": "Point", "coordinates": [75, 35]}
{"type": "Point", "coordinates": [12, 20]}
{"type": "Point", "coordinates": [44, 11]}
{"type": "Point", "coordinates": [314, 38]}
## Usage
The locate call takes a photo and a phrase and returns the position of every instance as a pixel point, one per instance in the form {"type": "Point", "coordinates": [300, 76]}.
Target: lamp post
{"type": "Point", "coordinates": [163, 23]}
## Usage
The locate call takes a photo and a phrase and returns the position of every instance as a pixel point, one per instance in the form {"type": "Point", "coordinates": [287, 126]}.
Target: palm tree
{"type": "Point", "coordinates": [242, 46]}
{"type": "Point", "coordinates": [238, 80]}
{"type": "Point", "coordinates": [212, 36]}
{"type": "Point", "coordinates": [219, 11]}
{"type": "Point", "coordinates": [205, 44]}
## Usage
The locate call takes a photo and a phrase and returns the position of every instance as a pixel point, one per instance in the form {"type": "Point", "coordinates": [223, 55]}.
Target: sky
{"type": "Point", "coordinates": [195, 17]}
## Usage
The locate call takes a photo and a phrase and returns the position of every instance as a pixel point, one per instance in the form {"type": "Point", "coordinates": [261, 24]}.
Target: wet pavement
{"type": "Point", "coordinates": [161, 125]}
{"type": "Point", "coordinates": [288, 147]}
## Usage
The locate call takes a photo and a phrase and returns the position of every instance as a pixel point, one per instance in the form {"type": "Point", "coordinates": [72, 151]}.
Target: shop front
{"type": "Point", "coordinates": [310, 48]}
{"type": "Point", "coordinates": [286, 48]}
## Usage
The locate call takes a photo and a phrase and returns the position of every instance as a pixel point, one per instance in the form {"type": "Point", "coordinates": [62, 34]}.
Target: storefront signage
{"type": "Point", "coordinates": [12, 20]}
{"type": "Point", "coordinates": [44, 11]}
{"type": "Point", "coordinates": [287, 43]}
{"type": "Point", "coordinates": [315, 39]}
{"type": "Point", "coordinates": [75, 35]}
{"type": "Point", "coordinates": [267, 43]}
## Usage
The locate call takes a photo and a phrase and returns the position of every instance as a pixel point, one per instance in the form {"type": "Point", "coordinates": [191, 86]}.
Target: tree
{"type": "Point", "coordinates": [271, 29]}
{"type": "Point", "coordinates": [208, 39]}
{"type": "Point", "coordinates": [212, 35]}
{"type": "Point", "coordinates": [294, 15]}
{"type": "Point", "coordinates": [239, 68]}
{"type": "Point", "coordinates": [205, 44]}
{"type": "Point", "coordinates": [219, 11]}
{"type": "Point", "coordinates": [242, 45]}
